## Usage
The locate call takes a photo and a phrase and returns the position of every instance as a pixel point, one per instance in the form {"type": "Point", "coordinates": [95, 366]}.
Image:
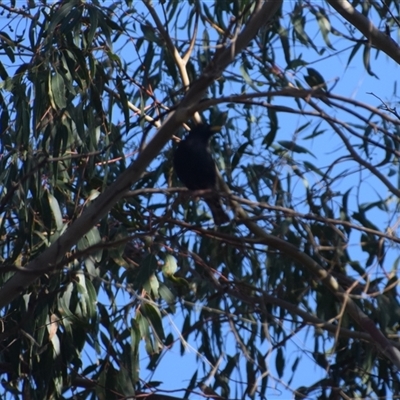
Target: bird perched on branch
{"type": "Point", "coordinates": [196, 168]}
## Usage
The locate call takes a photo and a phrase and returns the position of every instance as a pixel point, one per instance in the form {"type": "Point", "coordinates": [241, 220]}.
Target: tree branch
{"type": "Point", "coordinates": [377, 38]}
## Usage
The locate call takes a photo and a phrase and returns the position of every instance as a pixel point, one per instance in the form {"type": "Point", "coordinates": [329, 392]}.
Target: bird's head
{"type": "Point", "coordinates": [203, 132]}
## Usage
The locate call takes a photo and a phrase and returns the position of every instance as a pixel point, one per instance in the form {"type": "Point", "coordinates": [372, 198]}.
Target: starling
{"type": "Point", "coordinates": [196, 169]}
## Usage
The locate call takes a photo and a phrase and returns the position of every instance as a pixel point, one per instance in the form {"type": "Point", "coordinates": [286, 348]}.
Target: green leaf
{"type": "Point", "coordinates": [284, 37]}
{"type": "Point", "coordinates": [60, 15]}
{"type": "Point", "coordinates": [247, 78]}
{"type": "Point", "coordinates": [8, 46]}
{"type": "Point", "coordinates": [150, 34]}
{"type": "Point", "coordinates": [315, 79]}
{"type": "Point", "coordinates": [313, 168]}
{"type": "Point", "coordinates": [91, 238]}
{"type": "Point", "coordinates": [148, 267]}
{"type": "Point", "coordinates": [71, 23]}
{"type": "Point", "coordinates": [296, 63]}
{"type": "Point", "coordinates": [94, 19]}
{"type": "Point", "coordinates": [292, 146]}
{"type": "Point", "coordinates": [124, 101]}
{"type": "Point", "coordinates": [366, 59]}
{"type": "Point", "coordinates": [3, 72]}
{"type": "Point", "coordinates": [298, 25]}
{"type": "Point", "coordinates": [280, 362]}
{"type": "Point", "coordinates": [353, 52]}
{"type": "Point", "coordinates": [170, 265]}
{"type": "Point", "coordinates": [274, 125]}
{"type": "Point", "coordinates": [324, 25]}
{"type": "Point", "coordinates": [55, 209]}
{"type": "Point", "coordinates": [315, 133]}
{"type": "Point", "coordinates": [238, 155]}
{"type": "Point", "coordinates": [151, 286]}
{"type": "Point", "coordinates": [167, 296]}
{"type": "Point", "coordinates": [57, 92]}
{"type": "Point", "coordinates": [154, 317]}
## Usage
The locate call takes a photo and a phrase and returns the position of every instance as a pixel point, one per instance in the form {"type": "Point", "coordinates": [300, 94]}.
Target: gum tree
{"type": "Point", "coordinates": [107, 261]}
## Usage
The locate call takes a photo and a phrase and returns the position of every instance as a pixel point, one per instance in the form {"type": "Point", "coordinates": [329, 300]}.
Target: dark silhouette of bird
{"type": "Point", "coordinates": [195, 168]}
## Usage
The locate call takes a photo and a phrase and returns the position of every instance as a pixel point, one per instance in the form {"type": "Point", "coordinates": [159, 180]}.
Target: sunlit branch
{"type": "Point", "coordinates": [377, 38]}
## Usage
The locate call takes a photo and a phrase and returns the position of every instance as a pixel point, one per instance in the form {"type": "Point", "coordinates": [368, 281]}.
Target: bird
{"type": "Point", "coordinates": [196, 169]}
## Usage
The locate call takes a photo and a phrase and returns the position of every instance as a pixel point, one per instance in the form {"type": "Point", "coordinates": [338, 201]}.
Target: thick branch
{"type": "Point", "coordinates": [377, 38]}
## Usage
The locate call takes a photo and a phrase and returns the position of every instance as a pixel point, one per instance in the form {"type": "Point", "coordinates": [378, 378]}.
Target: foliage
{"type": "Point", "coordinates": [311, 248]}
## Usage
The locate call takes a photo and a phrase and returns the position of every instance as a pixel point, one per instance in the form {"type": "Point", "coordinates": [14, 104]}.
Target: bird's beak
{"type": "Point", "coordinates": [216, 129]}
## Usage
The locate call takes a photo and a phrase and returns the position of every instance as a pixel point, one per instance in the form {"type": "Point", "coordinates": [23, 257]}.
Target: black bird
{"type": "Point", "coordinates": [195, 168]}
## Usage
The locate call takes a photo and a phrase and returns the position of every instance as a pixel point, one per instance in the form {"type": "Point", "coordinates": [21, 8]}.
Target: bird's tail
{"type": "Point", "coordinates": [219, 215]}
